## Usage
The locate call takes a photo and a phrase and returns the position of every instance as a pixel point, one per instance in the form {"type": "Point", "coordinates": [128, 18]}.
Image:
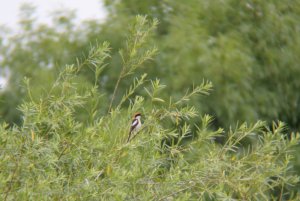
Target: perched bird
{"type": "Point", "coordinates": [135, 125]}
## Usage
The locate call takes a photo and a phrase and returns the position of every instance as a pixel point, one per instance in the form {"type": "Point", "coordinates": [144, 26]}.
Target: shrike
{"type": "Point", "coordinates": [135, 125]}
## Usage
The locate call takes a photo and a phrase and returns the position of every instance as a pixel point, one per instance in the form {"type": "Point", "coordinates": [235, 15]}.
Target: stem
{"type": "Point", "coordinates": [281, 190]}
{"type": "Point", "coordinates": [14, 174]}
{"type": "Point", "coordinates": [135, 134]}
{"type": "Point", "coordinates": [62, 153]}
{"type": "Point", "coordinates": [176, 192]}
{"type": "Point", "coordinates": [10, 183]}
{"type": "Point", "coordinates": [115, 90]}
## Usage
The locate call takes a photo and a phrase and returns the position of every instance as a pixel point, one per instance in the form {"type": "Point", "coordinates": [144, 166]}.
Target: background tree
{"type": "Point", "coordinates": [249, 50]}
{"type": "Point", "coordinates": [240, 46]}
{"type": "Point", "coordinates": [53, 155]}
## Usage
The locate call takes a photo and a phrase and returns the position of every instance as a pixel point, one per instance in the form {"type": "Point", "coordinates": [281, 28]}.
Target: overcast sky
{"type": "Point", "coordinates": [9, 13]}
{"type": "Point", "coordinates": [85, 9]}
{"type": "Point", "coordinates": [9, 9]}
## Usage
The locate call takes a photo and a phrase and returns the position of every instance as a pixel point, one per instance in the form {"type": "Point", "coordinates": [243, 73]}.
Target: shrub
{"type": "Point", "coordinates": [66, 149]}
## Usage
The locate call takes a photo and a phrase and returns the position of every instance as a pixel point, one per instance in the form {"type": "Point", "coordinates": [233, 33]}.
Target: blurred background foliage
{"type": "Point", "coordinates": [248, 49]}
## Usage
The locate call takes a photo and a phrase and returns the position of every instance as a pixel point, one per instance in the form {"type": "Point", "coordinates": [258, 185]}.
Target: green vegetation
{"type": "Point", "coordinates": [63, 132]}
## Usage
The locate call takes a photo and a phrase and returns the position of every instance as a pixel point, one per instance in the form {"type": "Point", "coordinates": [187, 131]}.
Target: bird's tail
{"type": "Point", "coordinates": [129, 135]}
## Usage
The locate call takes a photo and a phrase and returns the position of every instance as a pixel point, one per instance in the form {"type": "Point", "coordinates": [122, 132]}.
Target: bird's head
{"type": "Point", "coordinates": [137, 115]}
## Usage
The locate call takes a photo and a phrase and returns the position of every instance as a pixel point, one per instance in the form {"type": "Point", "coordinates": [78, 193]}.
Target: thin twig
{"type": "Point", "coordinates": [176, 192]}
{"type": "Point", "coordinates": [281, 192]}
{"type": "Point", "coordinates": [63, 151]}
{"type": "Point", "coordinates": [115, 91]}
{"type": "Point", "coordinates": [135, 134]}
{"type": "Point", "coordinates": [14, 173]}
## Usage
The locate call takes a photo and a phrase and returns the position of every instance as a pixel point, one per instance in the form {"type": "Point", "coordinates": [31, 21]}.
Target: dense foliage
{"type": "Point", "coordinates": [55, 155]}
{"type": "Point", "coordinates": [248, 49]}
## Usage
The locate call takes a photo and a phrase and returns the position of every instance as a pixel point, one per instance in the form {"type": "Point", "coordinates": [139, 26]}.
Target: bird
{"type": "Point", "coordinates": [135, 125]}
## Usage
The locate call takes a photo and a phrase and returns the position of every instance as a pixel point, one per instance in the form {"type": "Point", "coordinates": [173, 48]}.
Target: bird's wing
{"type": "Point", "coordinates": [134, 123]}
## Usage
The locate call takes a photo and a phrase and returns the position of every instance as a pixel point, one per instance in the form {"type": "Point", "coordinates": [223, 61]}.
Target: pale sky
{"type": "Point", "coordinates": [85, 9]}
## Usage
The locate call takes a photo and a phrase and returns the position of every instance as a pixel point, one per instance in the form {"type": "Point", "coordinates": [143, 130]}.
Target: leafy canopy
{"type": "Point", "coordinates": [66, 149]}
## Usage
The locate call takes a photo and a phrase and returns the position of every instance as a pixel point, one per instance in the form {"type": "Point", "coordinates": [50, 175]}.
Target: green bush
{"type": "Point", "coordinates": [67, 148]}
{"type": "Point", "coordinates": [248, 49]}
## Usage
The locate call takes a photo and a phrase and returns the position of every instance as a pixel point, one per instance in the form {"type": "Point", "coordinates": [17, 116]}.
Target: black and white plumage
{"type": "Point", "coordinates": [135, 125]}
